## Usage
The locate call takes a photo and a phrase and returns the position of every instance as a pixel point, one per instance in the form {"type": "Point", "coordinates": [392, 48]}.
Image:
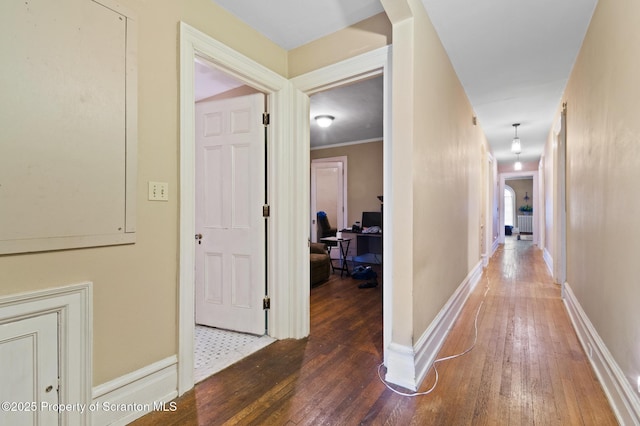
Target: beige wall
{"type": "Point", "coordinates": [522, 187]}
{"type": "Point", "coordinates": [364, 179]}
{"type": "Point", "coordinates": [135, 294]}
{"type": "Point", "coordinates": [436, 201]}
{"type": "Point", "coordinates": [359, 38]}
{"type": "Point", "coordinates": [603, 155]}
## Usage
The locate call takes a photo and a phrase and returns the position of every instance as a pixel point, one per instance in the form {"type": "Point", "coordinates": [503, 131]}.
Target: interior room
{"type": "Point", "coordinates": [346, 176]}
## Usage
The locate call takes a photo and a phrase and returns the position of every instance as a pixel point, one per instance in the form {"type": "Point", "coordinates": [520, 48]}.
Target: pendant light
{"type": "Point", "coordinates": [518, 165]}
{"type": "Point", "coordinates": [516, 146]}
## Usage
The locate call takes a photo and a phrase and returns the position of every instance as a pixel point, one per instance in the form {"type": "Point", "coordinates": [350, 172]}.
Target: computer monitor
{"type": "Point", "coordinates": [371, 219]}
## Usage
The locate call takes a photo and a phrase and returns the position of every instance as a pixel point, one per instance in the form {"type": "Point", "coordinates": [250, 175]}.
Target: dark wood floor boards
{"type": "Point", "coordinates": [527, 367]}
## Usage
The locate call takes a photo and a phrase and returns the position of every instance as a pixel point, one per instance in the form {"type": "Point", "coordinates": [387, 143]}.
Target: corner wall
{"type": "Point", "coordinates": [438, 200]}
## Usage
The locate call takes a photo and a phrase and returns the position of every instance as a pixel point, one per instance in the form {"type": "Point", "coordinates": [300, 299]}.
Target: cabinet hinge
{"type": "Point", "coordinates": [266, 210]}
{"type": "Point", "coordinates": [266, 303]}
{"type": "Point", "coordinates": [265, 118]}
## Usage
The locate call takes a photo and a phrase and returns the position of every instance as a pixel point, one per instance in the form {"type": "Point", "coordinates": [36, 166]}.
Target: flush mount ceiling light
{"type": "Point", "coordinates": [324, 120]}
{"type": "Point", "coordinates": [516, 146]}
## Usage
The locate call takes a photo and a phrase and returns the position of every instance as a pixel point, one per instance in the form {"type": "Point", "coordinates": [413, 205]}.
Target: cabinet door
{"type": "Point", "coordinates": [29, 371]}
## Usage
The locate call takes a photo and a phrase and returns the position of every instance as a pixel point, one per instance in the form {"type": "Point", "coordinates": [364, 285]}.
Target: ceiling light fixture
{"type": "Point", "coordinates": [324, 120]}
{"type": "Point", "coordinates": [518, 165]}
{"type": "Point", "coordinates": [516, 146]}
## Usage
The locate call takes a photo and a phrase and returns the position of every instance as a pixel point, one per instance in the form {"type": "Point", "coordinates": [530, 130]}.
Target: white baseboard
{"type": "Point", "coordinates": [548, 260]}
{"type": "Point", "coordinates": [133, 395]}
{"type": "Point", "coordinates": [621, 395]}
{"type": "Point", "coordinates": [408, 367]}
{"type": "Point", "coordinates": [401, 369]}
{"type": "Point", "coordinates": [494, 246]}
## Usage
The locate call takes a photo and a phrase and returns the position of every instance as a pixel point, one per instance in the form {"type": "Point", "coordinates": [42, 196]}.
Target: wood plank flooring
{"type": "Point", "coordinates": [527, 367]}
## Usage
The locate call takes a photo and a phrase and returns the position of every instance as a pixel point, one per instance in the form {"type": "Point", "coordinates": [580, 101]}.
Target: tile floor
{"type": "Point", "coordinates": [216, 349]}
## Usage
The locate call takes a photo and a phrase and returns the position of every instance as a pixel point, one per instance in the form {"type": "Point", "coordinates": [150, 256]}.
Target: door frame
{"type": "Point", "coordinates": [536, 194]}
{"type": "Point", "coordinates": [491, 209]}
{"type": "Point", "coordinates": [370, 64]}
{"type": "Point", "coordinates": [283, 163]}
{"type": "Point", "coordinates": [345, 208]}
{"type": "Point", "coordinates": [560, 199]}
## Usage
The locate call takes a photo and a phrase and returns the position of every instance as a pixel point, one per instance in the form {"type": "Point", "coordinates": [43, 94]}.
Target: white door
{"type": "Point", "coordinates": [29, 371]}
{"type": "Point", "coordinates": [230, 194]}
{"type": "Point", "coordinates": [328, 194]}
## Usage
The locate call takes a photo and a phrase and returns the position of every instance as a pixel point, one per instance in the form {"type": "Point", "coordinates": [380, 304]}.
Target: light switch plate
{"type": "Point", "coordinates": [158, 191]}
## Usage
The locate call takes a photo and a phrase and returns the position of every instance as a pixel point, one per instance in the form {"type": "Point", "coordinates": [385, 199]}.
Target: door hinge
{"type": "Point", "coordinates": [266, 303]}
{"type": "Point", "coordinates": [266, 210]}
{"type": "Point", "coordinates": [265, 118]}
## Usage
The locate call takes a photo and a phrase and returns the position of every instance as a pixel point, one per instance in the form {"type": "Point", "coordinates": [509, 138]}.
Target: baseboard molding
{"type": "Point", "coordinates": [548, 260]}
{"type": "Point", "coordinates": [401, 369]}
{"type": "Point", "coordinates": [133, 395]}
{"type": "Point", "coordinates": [624, 401]}
{"type": "Point", "coordinates": [494, 246]}
{"type": "Point", "coordinates": [408, 367]}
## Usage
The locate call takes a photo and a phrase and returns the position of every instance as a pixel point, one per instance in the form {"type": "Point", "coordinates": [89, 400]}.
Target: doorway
{"type": "Point", "coordinates": [329, 192]}
{"type": "Point", "coordinates": [365, 66]}
{"type": "Point", "coordinates": [230, 167]}
{"type": "Point", "coordinates": [525, 202]}
{"type": "Point", "coordinates": [195, 44]}
{"type": "Point", "coordinates": [288, 174]}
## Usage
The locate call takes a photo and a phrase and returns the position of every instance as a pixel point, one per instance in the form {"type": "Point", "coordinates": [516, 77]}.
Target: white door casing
{"type": "Point", "coordinates": [230, 176]}
{"type": "Point", "coordinates": [29, 371]}
{"type": "Point", "coordinates": [288, 174]}
{"type": "Point", "coordinates": [328, 192]}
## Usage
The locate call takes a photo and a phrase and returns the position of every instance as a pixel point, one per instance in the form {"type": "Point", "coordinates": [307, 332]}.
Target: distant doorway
{"type": "Point", "coordinates": [329, 192]}
{"type": "Point", "coordinates": [509, 206]}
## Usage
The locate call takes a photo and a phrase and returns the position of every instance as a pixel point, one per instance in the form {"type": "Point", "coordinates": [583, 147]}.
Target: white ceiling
{"type": "Point", "coordinates": [292, 23]}
{"type": "Point", "coordinates": [513, 58]}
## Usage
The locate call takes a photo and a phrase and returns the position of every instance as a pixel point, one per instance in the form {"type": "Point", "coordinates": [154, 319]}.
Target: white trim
{"type": "Point", "coordinates": [536, 202]}
{"type": "Point", "coordinates": [339, 145]}
{"type": "Point", "coordinates": [494, 246]}
{"type": "Point", "coordinates": [368, 64]}
{"type": "Point", "coordinates": [408, 367]}
{"type": "Point", "coordinates": [133, 395]}
{"type": "Point", "coordinates": [401, 368]}
{"type": "Point", "coordinates": [548, 260]}
{"type": "Point", "coordinates": [559, 200]}
{"type": "Point", "coordinates": [620, 393]}
{"type": "Point", "coordinates": [75, 308]}
{"type": "Point", "coordinates": [490, 208]}
{"type": "Point", "coordinates": [284, 163]}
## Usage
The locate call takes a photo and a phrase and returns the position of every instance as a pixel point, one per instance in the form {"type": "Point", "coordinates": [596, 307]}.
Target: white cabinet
{"type": "Point", "coordinates": [29, 371]}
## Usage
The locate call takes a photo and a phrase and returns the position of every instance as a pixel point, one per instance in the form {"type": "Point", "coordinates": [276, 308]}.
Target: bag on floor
{"type": "Point", "coordinates": [363, 273]}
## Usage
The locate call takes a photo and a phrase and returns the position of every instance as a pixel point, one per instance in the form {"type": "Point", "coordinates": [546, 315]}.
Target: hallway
{"type": "Point", "coordinates": [526, 368]}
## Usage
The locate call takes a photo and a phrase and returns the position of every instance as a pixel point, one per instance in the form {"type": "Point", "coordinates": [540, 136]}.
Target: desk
{"type": "Point", "coordinates": [343, 249]}
{"type": "Point", "coordinates": [367, 248]}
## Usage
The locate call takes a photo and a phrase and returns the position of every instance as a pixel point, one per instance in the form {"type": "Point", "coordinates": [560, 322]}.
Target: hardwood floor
{"type": "Point", "coordinates": [527, 367]}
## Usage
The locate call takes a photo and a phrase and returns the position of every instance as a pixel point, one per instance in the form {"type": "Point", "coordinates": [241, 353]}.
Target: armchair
{"type": "Point", "coordinates": [320, 263]}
